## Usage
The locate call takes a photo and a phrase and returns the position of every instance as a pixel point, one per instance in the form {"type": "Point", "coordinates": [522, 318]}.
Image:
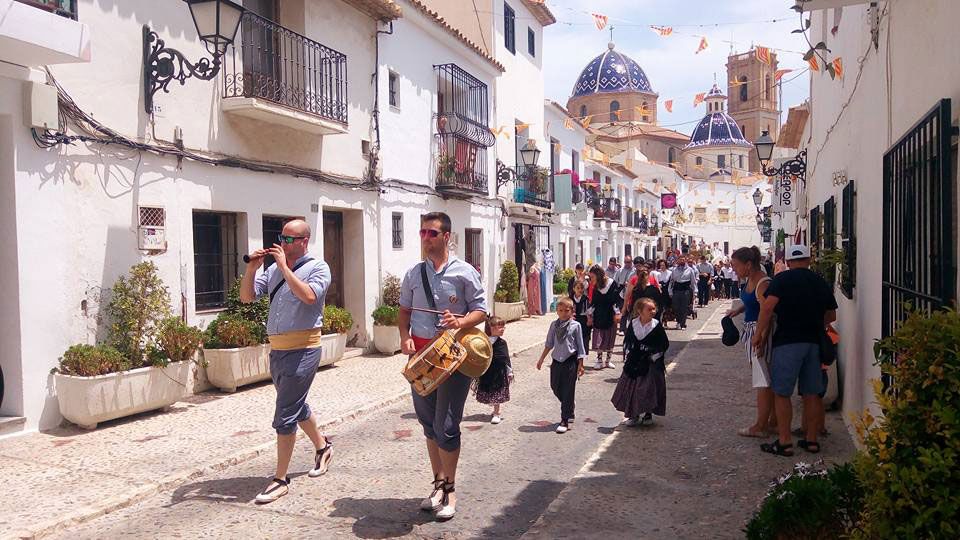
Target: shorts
{"type": "Point", "coordinates": [796, 365]}
{"type": "Point", "coordinates": [292, 373]}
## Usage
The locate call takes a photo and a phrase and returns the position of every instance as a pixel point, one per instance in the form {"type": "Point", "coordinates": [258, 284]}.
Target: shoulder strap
{"type": "Point", "coordinates": [296, 267]}
{"type": "Point", "coordinates": [427, 290]}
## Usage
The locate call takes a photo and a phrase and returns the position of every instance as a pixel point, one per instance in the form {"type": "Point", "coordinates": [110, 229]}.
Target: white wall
{"type": "Point", "coordinates": [894, 91]}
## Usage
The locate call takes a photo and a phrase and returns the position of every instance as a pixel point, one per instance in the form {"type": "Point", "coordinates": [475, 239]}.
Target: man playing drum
{"type": "Point", "coordinates": [449, 285]}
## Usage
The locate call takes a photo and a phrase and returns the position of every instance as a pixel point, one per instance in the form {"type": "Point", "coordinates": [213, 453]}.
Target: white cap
{"type": "Point", "coordinates": [798, 251]}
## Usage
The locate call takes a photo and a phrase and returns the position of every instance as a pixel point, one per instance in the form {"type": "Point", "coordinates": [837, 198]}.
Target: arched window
{"type": "Point", "coordinates": [583, 111]}
{"type": "Point", "coordinates": [743, 88]}
{"type": "Point", "coordinates": [699, 160]}
{"type": "Point", "coordinates": [672, 155]}
{"type": "Point", "coordinates": [614, 110]}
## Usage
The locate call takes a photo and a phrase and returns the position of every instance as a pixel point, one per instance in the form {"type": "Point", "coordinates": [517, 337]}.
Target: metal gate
{"type": "Point", "coordinates": [918, 258]}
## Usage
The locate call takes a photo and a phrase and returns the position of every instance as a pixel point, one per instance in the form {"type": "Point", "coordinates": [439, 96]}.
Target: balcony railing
{"type": "Point", "coordinates": [532, 189]}
{"type": "Point", "coordinates": [64, 8]}
{"type": "Point", "coordinates": [273, 63]}
{"type": "Point", "coordinates": [461, 165]}
{"type": "Point", "coordinates": [605, 208]}
{"type": "Point", "coordinates": [612, 212]}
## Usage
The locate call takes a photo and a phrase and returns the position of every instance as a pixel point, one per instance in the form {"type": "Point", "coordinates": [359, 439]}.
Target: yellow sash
{"type": "Point", "coordinates": [291, 341]}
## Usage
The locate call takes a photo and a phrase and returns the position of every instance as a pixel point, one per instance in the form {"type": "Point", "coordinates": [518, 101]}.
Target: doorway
{"type": "Point", "coordinates": [333, 255]}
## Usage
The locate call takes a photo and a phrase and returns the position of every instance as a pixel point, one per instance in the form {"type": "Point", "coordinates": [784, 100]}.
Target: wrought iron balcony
{"type": "Point", "coordinates": [613, 212]}
{"type": "Point", "coordinates": [533, 188]}
{"type": "Point", "coordinates": [461, 165]}
{"type": "Point", "coordinates": [273, 63]}
{"type": "Point", "coordinates": [64, 8]}
{"type": "Point", "coordinates": [628, 215]}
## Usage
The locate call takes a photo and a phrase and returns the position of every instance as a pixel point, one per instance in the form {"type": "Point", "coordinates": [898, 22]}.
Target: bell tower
{"type": "Point", "coordinates": [754, 97]}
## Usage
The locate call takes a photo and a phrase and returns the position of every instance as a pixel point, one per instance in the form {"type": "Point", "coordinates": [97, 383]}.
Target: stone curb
{"type": "Point", "coordinates": [178, 478]}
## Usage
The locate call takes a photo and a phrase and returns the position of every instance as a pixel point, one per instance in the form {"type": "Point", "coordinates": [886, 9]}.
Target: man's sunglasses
{"type": "Point", "coordinates": [284, 239]}
{"type": "Point", "coordinates": [430, 233]}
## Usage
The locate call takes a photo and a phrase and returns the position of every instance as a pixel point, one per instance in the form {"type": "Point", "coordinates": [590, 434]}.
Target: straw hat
{"type": "Point", "coordinates": [479, 351]}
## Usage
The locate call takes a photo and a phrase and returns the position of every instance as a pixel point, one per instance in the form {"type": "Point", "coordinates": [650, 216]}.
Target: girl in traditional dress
{"type": "Point", "coordinates": [642, 389]}
{"type": "Point", "coordinates": [493, 387]}
{"type": "Point", "coordinates": [603, 312]}
{"type": "Point", "coordinates": [581, 304]}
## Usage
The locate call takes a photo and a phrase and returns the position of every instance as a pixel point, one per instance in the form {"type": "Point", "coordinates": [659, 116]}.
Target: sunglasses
{"type": "Point", "coordinates": [284, 239]}
{"type": "Point", "coordinates": [429, 233]}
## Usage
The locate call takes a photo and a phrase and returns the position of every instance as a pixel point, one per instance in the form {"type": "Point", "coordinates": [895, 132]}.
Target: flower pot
{"type": "Point", "coordinates": [87, 401]}
{"type": "Point", "coordinates": [334, 345]}
{"type": "Point", "coordinates": [508, 311]}
{"type": "Point", "coordinates": [228, 369]}
{"type": "Point", "coordinates": [386, 339]}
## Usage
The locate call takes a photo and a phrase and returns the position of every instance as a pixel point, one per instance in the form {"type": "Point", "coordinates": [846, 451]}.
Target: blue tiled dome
{"type": "Point", "coordinates": [717, 128]}
{"type": "Point", "coordinates": [611, 72]}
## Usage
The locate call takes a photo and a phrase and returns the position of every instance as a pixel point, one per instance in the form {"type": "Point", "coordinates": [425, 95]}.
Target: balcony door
{"type": "Point", "coordinates": [261, 49]}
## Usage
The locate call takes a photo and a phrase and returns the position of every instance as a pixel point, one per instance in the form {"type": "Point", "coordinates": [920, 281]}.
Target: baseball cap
{"type": "Point", "coordinates": [798, 251]}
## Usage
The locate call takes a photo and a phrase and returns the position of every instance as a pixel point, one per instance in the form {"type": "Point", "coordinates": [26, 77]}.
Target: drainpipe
{"type": "Point", "coordinates": [375, 154]}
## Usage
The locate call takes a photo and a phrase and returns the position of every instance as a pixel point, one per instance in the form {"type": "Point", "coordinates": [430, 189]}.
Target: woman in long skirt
{"type": "Point", "coordinates": [642, 389]}
{"type": "Point", "coordinates": [602, 313]}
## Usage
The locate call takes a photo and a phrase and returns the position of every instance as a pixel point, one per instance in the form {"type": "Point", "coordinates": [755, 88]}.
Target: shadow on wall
{"type": "Point", "coordinates": [11, 395]}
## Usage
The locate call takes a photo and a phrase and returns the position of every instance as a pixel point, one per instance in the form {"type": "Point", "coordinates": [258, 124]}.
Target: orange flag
{"type": "Point", "coordinates": [616, 113]}
{"type": "Point", "coordinates": [780, 73]}
{"type": "Point", "coordinates": [698, 99]}
{"type": "Point", "coordinates": [668, 105]}
{"type": "Point", "coordinates": [662, 30]}
{"type": "Point", "coordinates": [762, 54]}
{"type": "Point", "coordinates": [641, 110]}
{"type": "Point", "coordinates": [838, 67]}
{"type": "Point", "coordinates": [585, 121]}
{"type": "Point", "coordinates": [599, 20]}
{"type": "Point", "coordinates": [703, 45]}
{"type": "Point", "coordinates": [502, 130]}
{"type": "Point", "coordinates": [568, 123]}
{"type": "Point", "coordinates": [814, 66]}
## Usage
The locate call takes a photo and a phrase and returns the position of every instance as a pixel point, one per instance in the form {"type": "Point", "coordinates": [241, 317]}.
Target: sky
{"type": "Point", "coordinates": [670, 64]}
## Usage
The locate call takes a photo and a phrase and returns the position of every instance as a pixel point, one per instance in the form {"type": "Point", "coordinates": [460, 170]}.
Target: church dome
{"type": "Point", "coordinates": [611, 72]}
{"type": "Point", "coordinates": [717, 128]}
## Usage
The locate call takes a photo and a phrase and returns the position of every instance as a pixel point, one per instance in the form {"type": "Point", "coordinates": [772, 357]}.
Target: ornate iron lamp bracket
{"type": "Point", "coordinates": [162, 65]}
{"type": "Point", "coordinates": [505, 175]}
{"type": "Point", "coordinates": [795, 167]}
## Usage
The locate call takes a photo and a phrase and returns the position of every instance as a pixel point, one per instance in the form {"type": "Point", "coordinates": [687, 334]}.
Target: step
{"type": "Point", "coordinates": [11, 424]}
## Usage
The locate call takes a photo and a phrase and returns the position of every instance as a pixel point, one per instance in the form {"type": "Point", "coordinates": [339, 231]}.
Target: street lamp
{"type": "Point", "coordinates": [795, 167]}
{"type": "Point", "coordinates": [530, 154]}
{"type": "Point", "coordinates": [216, 22]}
{"type": "Point", "coordinates": [764, 148]}
{"type": "Point", "coordinates": [757, 199]}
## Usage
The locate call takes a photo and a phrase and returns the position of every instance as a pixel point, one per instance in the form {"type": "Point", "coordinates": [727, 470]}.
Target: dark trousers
{"type": "Point", "coordinates": [681, 305]}
{"type": "Point", "coordinates": [563, 382]}
{"type": "Point", "coordinates": [703, 291]}
{"type": "Point", "coordinates": [729, 283]}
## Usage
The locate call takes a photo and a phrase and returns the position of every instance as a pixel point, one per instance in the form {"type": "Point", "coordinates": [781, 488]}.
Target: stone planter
{"type": "Point", "coordinates": [386, 339]}
{"type": "Point", "coordinates": [228, 369]}
{"type": "Point", "coordinates": [87, 401]}
{"type": "Point", "coordinates": [508, 311]}
{"type": "Point", "coordinates": [334, 345]}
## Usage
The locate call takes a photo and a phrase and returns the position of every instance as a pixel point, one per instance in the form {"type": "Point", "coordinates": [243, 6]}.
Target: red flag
{"type": "Point", "coordinates": [838, 67]}
{"type": "Point", "coordinates": [698, 99]}
{"type": "Point", "coordinates": [668, 105]}
{"type": "Point", "coordinates": [599, 20]}
{"type": "Point", "coordinates": [780, 73]}
{"type": "Point", "coordinates": [814, 66]}
{"type": "Point", "coordinates": [703, 45]}
{"type": "Point", "coordinates": [664, 31]}
{"type": "Point", "coordinates": [762, 54]}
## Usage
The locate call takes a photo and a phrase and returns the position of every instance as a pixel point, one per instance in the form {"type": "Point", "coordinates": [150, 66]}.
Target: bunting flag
{"type": "Point", "coordinates": [599, 20]}
{"type": "Point", "coordinates": [606, 160]}
{"type": "Point", "coordinates": [699, 167]}
{"type": "Point", "coordinates": [585, 121]}
{"type": "Point", "coordinates": [838, 66]}
{"type": "Point", "coordinates": [668, 105]}
{"type": "Point", "coordinates": [502, 130]}
{"type": "Point", "coordinates": [703, 45]}
{"type": "Point", "coordinates": [662, 30]}
{"type": "Point", "coordinates": [616, 113]}
{"type": "Point", "coordinates": [814, 66]}
{"type": "Point", "coordinates": [713, 188]}
{"type": "Point", "coordinates": [521, 126]}
{"type": "Point", "coordinates": [763, 55]}
{"type": "Point", "coordinates": [736, 83]}
{"type": "Point", "coordinates": [698, 99]}
{"type": "Point", "coordinates": [568, 123]}
{"type": "Point", "coordinates": [780, 73]}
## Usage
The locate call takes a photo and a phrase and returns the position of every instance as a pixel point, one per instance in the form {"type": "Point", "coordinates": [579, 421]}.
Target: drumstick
{"type": "Point", "coordinates": [435, 312]}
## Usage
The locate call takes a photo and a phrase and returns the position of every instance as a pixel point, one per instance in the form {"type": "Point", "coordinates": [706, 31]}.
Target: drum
{"type": "Point", "coordinates": [433, 364]}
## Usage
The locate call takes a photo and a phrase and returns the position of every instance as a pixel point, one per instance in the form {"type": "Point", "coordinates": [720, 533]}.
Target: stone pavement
{"type": "Point", "coordinates": [690, 475]}
{"type": "Point", "coordinates": [65, 476]}
{"type": "Point", "coordinates": [509, 473]}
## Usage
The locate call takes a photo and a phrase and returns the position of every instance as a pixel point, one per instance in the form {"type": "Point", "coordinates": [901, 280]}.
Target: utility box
{"type": "Point", "coordinates": [40, 107]}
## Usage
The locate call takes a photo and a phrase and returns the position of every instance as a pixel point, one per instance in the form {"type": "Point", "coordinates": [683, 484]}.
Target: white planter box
{"type": "Point", "coordinates": [87, 401]}
{"type": "Point", "coordinates": [386, 339]}
{"type": "Point", "coordinates": [228, 369]}
{"type": "Point", "coordinates": [508, 311]}
{"type": "Point", "coordinates": [334, 345]}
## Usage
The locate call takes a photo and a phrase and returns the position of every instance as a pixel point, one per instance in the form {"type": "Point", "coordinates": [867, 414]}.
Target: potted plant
{"type": "Point", "coordinates": [507, 304]}
{"type": "Point", "coordinates": [235, 347]}
{"type": "Point", "coordinates": [336, 323]}
{"type": "Point", "coordinates": [145, 364]}
{"type": "Point", "coordinates": [446, 166]}
{"type": "Point", "coordinates": [386, 333]}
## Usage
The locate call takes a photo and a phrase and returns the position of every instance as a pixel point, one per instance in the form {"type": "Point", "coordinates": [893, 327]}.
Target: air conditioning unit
{"type": "Point", "coordinates": [151, 231]}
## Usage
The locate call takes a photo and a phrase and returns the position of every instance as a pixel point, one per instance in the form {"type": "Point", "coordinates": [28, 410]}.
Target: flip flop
{"type": "Point", "coordinates": [777, 449]}
{"type": "Point", "coordinates": [747, 432]}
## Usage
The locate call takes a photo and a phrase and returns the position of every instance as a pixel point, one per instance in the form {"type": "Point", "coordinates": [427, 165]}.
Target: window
{"type": "Point", "coordinates": [614, 110]}
{"type": "Point", "coordinates": [473, 248]}
{"type": "Point", "coordinates": [723, 215]}
{"type": "Point", "coordinates": [509, 29]}
{"type": "Point", "coordinates": [628, 250]}
{"type": "Point", "coordinates": [726, 248]}
{"type": "Point", "coordinates": [643, 107]}
{"type": "Point", "coordinates": [814, 227]}
{"type": "Point", "coordinates": [579, 251]}
{"type": "Point", "coordinates": [830, 224]}
{"type": "Point", "coordinates": [700, 214]}
{"type": "Point", "coordinates": [397, 229]}
{"type": "Point", "coordinates": [699, 160]}
{"type": "Point", "coordinates": [563, 255]}
{"type": "Point", "coordinates": [848, 239]}
{"type": "Point", "coordinates": [214, 258]}
{"type": "Point", "coordinates": [721, 161]}
{"type": "Point", "coordinates": [770, 93]}
{"type": "Point", "coordinates": [575, 162]}
{"type": "Point", "coordinates": [583, 112]}
{"type": "Point", "coordinates": [531, 42]}
{"type": "Point", "coordinates": [741, 161]}
{"type": "Point", "coordinates": [743, 88]}
{"type": "Point", "coordinates": [394, 89]}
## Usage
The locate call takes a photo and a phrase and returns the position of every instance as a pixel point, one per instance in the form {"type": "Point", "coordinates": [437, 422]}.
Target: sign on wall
{"type": "Point", "coordinates": [668, 201]}
{"type": "Point", "coordinates": [787, 191]}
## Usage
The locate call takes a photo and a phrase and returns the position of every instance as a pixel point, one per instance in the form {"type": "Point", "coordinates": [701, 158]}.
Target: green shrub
{"type": "Point", "coordinates": [177, 341]}
{"type": "Point", "coordinates": [230, 331]}
{"type": "Point", "coordinates": [559, 288]}
{"type": "Point", "coordinates": [509, 283]}
{"type": "Point", "coordinates": [386, 316]}
{"type": "Point", "coordinates": [809, 503]}
{"type": "Point", "coordinates": [137, 305]}
{"type": "Point", "coordinates": [391, 291]}
{"type": "Point", "coordinates": [91, 360]}
{"type": "Point", "coordinates": [911, 463]}
{"type": "Point", "coordinates": [564, 276]}
{"type": "Point", "coordinates": [336, 320]}
{"type": "Point", "coordinates": [255, 311]}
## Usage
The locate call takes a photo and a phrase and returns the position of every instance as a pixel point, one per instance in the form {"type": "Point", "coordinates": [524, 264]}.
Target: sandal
{"type": "Point", "coordinates": [777, 449]}
{"type": "Point", "coordinates": [810, 446]}
{"type": "Point", "coordinates": [321, 460]}
{"type": "Point", "coordinates": [427, 504]}
{"type": "Point", "coordinates": [447, 510]}
{"type": "Point", "coordinates": [748, 432]}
